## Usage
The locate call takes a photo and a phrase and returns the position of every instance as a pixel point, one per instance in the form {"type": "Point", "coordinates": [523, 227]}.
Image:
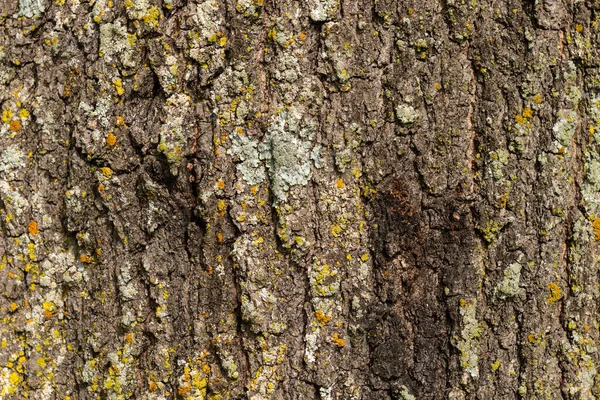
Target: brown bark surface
{"type": "Point", "coordinates": [319, 199]}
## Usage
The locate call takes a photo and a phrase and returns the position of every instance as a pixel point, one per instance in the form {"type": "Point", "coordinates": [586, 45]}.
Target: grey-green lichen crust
{"type": "Point", "coordinates": [285, 154]}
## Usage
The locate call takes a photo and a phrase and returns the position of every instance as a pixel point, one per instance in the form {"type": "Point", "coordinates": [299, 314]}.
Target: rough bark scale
{"type": "Point", "coordinates": [320, 199]}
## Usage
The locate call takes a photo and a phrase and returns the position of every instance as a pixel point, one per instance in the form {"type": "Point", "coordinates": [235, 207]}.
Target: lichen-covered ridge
{"type": "Point", "coordinates": [322, 199]}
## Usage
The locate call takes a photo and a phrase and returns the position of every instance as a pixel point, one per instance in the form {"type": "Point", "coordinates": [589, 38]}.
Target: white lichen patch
{"type": "Point", "coordinates": [323, 10]}
{"type": "Point", "coordinates": [208, 20]}
{"type": "Point", "coordinates": [31, 8]}
{"type": "Point", "coordinates": [509, 286]}
{"type": "Point", "coordinates": [11, 159]}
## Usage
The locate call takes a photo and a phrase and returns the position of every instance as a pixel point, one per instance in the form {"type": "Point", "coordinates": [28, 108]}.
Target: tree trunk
{"type": "Point", "coordinates": [320, 199]}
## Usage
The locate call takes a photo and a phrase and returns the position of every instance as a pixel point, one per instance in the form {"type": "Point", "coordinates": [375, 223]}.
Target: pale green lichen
{"type": "Point", "coordinates": [406, 114]}
{"type": "Point", "coordinates": [11, 159]}
{"type": "Point", "coordinates": [509, 286]}
{"type": "Point", "coordinates": [323, 10]}
{"type": "Point", "coordinates": [286, 150]}
{"type": "Point", "coordinates": [499, 161]}
{"type": "Point", "coordinates": [404, 394]}
{"type": "Point", "coordinates": [246, 150]}
{"type": "Point", "coordinates": [31, 8]}
{"type": "Point", "coordinates": [172, 139]}
{"type": "Point", "coordinates": [565, 127]}
{"type": "Point", "coordinates": [115, 41]}
{"type": "Point", "coordinates": [208, 20]}
{"type": "Point", "coordinates": [468, 342]}
{"type": "Point", "coordinates": [591, 186]}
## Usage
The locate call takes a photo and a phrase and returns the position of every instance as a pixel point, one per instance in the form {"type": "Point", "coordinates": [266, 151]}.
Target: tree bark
{"type": "Point", "coordinates": [320, 199]}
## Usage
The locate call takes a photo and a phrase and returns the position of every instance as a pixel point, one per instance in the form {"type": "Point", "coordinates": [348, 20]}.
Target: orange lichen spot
{"type": "Point", "coordinates": [129, 338]}
{"type": "Point", "coordinates": [340, 184]}
{"type": "Point", "coordinates": [322, 317]}
{"type": "Point", "coordinates": [531, 338]}
{"type": "Point", "coordinates": [302, 36]}
{"type": "Point", "coordinates": [555, 293]}
{"type": "Point", "coordinates": [15, 125]}
{"type": "Point", "coordinates": [578, 27]}
{"type": "Point", "coordinates": [32, 228]}
{"type": "Point", "coordinates": [527, 113]}
{"type": "Point", "coordinates": [184, 389]}
{"type": "Point", "coordinates": [219, 237]}
{"type": "Point", "coordinates": [100, 187]}
{"type": "Point", "coordinates": [596, 226]}
{"type": "Point", "coordinates": [220, 184]}
{"type": "Point", "coordinates": [111, 139]}
{"type": "Point", "coordinates": [338, 341]}
{"type": "Point", "coordinates": [120, 120]}
{"type": "Point", "coordinates": [153, 386]}
{"type": "Point", "coordinates": [13, 306]}
{"type": "Point", "coordinates": [84, 258]}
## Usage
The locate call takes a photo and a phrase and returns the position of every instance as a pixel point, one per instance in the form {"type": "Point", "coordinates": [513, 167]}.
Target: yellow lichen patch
{"type": "Point", "coordinates": [23, 113]}
{"type": "Point", "coordinates": [220, 184]}
{"type": "Point", "coordinates": [14, 378]}
{"type": "Point", "coordinates": [15, 125]}
{"type": "Point", "coordinates": [120, 120]}
{"type": "Point", "coordinates": [48, 306]}
{"type": "Point", "coordinates": [527, 113]}
{"type": "Point", "coordinates": [338, 341]}
{"type": "Point", "coordinates": [364, 257]}
{"type": "Point", "coordinates": [32, 228]}
{"type": "Point", "coordinates": [322, 317]}
{"type": "Point", "coordinates": [537, 98]}
{"type": "Point", "coordinates": [336, 230]}
{"type": "Point", "coordinates": [578, 27]}
{"type": "Point", "coordinates": [41, 362]}
{"type": "Point", "coordinates": [496, 365]}
{"type": "Point", "coordinates": [107, 172]}
{"type": "Point", "coordinates": [118, 85]}
{"type": "Point", "coordinates": [111, 139]}
{"type": "Point", "coordinates": [151, 16]}
{"type": "Point", "coordinates": [13, 307]}
{"type": "Point", "coordinates": [596, 226]}
{"type": "Point", "coordinates": [555, 293]}
{"type": "Point", "coordinates": [340, 184]}
{"type": "Point", "coordinates": [223, 41]}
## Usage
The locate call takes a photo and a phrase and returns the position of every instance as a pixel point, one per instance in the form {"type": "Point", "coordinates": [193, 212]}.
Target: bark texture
{"type": "Point", "coordinates": [318, 199]}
